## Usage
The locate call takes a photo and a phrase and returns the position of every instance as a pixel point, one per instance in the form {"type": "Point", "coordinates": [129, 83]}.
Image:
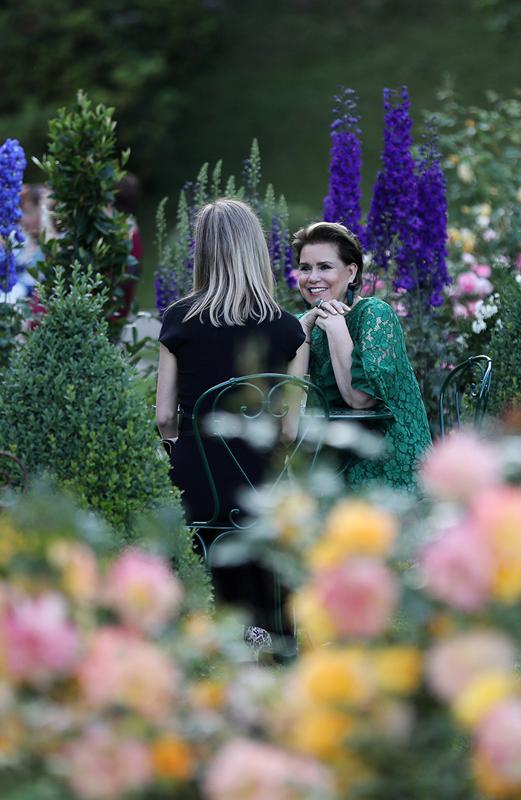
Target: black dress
{"type": "Point", "coordinates": [207, 355]}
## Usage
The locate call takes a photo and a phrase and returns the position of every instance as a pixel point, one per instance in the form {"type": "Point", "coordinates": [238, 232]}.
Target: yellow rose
{"type": "Point", "coordinates": [468, 240]}
{"type": "Point", "coordinates": [321, 732]}
{"type": "Point", "coordinates": [454, 235]}
{"type": "Point", "coordinates": [335, 676]}
{"type": "Point", "coordinates": [398, 669]}
{"type": "Point", "coordinates": [506, 546]}
{"type": "Point", "coordinates": [441, 624]}
{"type": "Point", "coordinates": [354, 528]}
{"type": "Point", "coordinates": [507, 581]}
{"type": "Point", "coordinates": [291, 514]}
{"type": "Point", "coordinates": [312, 617]}
{"type": "Point", "coordinates": [208, 694]}
{"type": "Point", "coordinates": [481, 695]}
{"type": "Point", "coordinates": [488, 781]}
{"type": "Point", "coordinates": [12, 542]}
{"type": "Point", "coordinates": [172, 758]}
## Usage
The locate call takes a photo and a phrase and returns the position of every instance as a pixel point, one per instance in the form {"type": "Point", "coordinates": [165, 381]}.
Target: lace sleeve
{"type": "Point", "coordinates": [378, 336]}
{"type": "Point", "coordinates": [380, 341]}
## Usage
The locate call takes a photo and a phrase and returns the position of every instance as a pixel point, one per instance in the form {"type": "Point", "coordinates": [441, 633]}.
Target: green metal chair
{"type": "Point", "coordinates": [245, 409]}
{"type": "Point", "coordinates": [464, 394]}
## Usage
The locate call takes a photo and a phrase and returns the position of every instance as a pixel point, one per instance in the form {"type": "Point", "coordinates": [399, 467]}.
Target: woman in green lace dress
{"type": "Point", "coordinates": [355, 351]}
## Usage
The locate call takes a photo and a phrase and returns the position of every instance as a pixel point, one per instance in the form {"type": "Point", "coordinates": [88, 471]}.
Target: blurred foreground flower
{"type": "Point", "coordinates": [460, 466]}
{"type": "Point", "coordinates": [248, 770]}
{"type": "Point", "coordinates": [143, 590]}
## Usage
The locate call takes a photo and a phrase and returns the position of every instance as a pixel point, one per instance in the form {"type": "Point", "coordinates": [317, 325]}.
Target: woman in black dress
{"type": "Point", "coordinates": [230, 318]}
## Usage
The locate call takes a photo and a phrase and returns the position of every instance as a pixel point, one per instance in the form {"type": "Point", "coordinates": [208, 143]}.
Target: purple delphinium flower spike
{"type": "Point", "coordinates": [432, 207]}
{"type": "Point", "coordinates": [393, 223]}
{"type": "Point", "coordinates": [12, 166]}
{"type": "Point", "coordinates": [342, 203]}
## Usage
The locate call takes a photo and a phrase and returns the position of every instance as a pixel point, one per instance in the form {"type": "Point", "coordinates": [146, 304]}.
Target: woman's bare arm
{"type": "Point", "coordinates": [166, 396]}
{"type": "Point", "coordinates": [341, 351]}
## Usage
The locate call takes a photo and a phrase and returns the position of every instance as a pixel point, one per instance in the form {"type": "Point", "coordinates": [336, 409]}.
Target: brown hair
{"type": "Point", "coordinates": [348, 245]}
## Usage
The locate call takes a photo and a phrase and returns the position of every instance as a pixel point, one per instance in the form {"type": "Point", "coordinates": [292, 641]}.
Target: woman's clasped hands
{"type": "Point", "coordinates": [326, 315]}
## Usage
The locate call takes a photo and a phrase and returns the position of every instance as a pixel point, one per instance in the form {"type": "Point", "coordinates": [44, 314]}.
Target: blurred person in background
{"type": "Point", "coordinates": [127, 200]}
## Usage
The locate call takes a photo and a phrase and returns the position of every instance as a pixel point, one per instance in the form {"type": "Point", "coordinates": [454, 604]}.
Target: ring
{"type": "Point", "coordinates": [319, 303]}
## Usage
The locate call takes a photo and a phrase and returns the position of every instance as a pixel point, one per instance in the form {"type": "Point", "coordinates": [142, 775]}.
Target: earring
{"type": "Point", "coordinates": [350, 295]}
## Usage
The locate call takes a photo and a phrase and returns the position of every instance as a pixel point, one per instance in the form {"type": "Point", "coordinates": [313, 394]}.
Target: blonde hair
{"type": "Point", "coordinates": [232, 271]}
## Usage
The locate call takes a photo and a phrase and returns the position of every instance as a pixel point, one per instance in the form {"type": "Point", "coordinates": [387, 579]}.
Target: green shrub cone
{"type": "Point", "coordinates": [72, 407]}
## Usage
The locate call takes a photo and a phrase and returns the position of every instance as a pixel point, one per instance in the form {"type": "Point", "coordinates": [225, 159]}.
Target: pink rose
{"type": "Point", "coordinates": [400, 308]}
{"type": "Point", "coordinates": [482, 270]}
{"type": "Point", "coordinates": [498, 511]}
{"type": "Point", "coordinates": [484, 287]}
{"type": "Point", "coordinates": [40, 642]}
{"type": "Point", "coordinates": [458, 568]}
{"type": "Point", "coordinates": [453, 663]}
{"type": "Point", "coordinates": [460, 466]}
{"type": "Point", "coordinates": [498, 744]}
{"type": "Point", "coordinates": [122, 669]}
{"type": "Point", "coordinates": [249, 770]}
{"type": "Point", "coordinates": [460, 311]}
{"type": "Point", "coordinates": [359, 596]}
{"type": "Point", "coordinates": [143, 590]}
{"type": "Point", "coordinates": [101, 766]}
{"type": "Point", "coordinates": [467, 282]}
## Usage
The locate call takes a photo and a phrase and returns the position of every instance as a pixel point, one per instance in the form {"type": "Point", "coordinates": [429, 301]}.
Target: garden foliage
{"type": "Point", "coordinates": [482, 155]}
{"type": "Point", "coordinates": [82, 167]}
{"type": "Point", "coordinates": [139, 57]}
{"type": "Point", "coordinates": [505, 352]}
{"type": "Point", "coordinates": [173, 277]}
{"type": "Point", "coordinates": [72, 406]}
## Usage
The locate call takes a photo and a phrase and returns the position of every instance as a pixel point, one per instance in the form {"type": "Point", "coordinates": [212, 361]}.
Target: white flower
{"type": "Point", "coordinates": [518, 278]}
{"type": "Point", "coordinates": [465, 172]}
{"type": "Point", "coordinates": [483, 220]}
{"type": "Point", "coordinates": [489, 235]}
{"type": "Point", "coordinates": [501, 261]}
{"type": "Point", "coordinates": [490, 310]}
{"type": "Point", "coordinates": [468, 258]}
{"type": "Point", "coordinates": [479, 325]}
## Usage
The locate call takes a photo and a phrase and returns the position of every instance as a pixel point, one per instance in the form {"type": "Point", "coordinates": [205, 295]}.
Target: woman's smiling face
{"type": "Point", "coordinates": [322, 274]}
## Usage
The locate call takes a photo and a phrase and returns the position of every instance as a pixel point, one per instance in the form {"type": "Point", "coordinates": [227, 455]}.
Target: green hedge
{"type": "Point", "coordinates": [72, 406]}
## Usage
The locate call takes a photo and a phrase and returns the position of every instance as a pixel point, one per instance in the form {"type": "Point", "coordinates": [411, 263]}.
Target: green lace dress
{"type": "Point", "coordinates": [381, 368]}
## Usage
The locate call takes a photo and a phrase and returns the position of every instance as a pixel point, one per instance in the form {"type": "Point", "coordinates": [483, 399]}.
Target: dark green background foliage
{"type": "Point", "coordinates": [196, 80]}
{"type": "Point", "coordinates": [505, 351]}
{"type": "Point", "coordinates": [71, 405]}
{"type": "Point", "coordinates": [82, 167]}
{"type": "Point", "coordinates": [10, 327]}
{"type": "Point", "coordinates": [136, 55]}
